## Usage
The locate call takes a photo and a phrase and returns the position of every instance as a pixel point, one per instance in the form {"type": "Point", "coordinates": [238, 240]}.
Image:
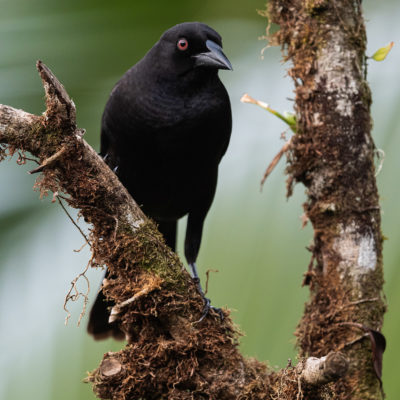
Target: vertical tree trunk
{"type": "Point", "coordinates": [332, 154]}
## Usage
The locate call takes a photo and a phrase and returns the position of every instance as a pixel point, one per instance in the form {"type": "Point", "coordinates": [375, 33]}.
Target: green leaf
{"type": "Point", "coordinates": [382, 53]}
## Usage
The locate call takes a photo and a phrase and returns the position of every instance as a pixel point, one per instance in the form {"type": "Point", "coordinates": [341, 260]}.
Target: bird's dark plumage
{"type": "Point", "coordinates": [164, 131]}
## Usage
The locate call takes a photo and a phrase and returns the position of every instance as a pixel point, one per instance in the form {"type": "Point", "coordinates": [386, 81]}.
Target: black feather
{"type": "Point", "coordinates": [166, 127]}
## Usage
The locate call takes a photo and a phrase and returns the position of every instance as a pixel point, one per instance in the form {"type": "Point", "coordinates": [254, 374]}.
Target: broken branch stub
{"type": "Point", "coordinates": [59, 104]}
{"type": "Point", "coordinates": [110, 366]}
{"type": "Point", "coordinates": [319, 371]}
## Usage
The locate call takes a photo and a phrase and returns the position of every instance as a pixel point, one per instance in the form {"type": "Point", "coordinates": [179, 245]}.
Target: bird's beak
{"type": "Point", "coordinates": [215, 58]}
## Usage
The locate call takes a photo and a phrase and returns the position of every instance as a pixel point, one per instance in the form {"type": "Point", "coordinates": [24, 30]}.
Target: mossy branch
{"type": "Point", "coordinates": [168, 354]}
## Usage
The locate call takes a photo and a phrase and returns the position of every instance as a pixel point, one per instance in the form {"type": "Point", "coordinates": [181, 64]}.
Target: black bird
{"type": "Point", "coordinates": [164, 131]}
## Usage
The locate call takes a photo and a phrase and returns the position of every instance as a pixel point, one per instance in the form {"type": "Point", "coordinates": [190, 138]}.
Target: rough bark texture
{"type": "Point", "coordinates": [332, 154]}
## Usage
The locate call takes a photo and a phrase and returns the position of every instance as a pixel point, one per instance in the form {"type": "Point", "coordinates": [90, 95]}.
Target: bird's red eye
{"type": "Point", "coordinates": [182, 44]}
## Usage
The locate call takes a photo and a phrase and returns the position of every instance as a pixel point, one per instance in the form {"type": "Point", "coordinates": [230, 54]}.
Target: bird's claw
{"type": "Point", "coordinates": [196, 280]}
{"type": "Point", "coordinates": [207, 307]}
{"type": "Point", "coordinates": [207, 303]}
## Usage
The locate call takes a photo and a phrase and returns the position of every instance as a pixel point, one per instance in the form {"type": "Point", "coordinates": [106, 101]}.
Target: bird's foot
{"type": "Point", "coordinates": [207, 303]}
{"type": "Point", "coordinates": [206, 310]}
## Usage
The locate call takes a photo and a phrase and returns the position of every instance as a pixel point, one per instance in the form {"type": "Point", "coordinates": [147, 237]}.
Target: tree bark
{"type": "Point", "coordinates": [171, 355]}
{"type": "Point", "coordinates": [332, 154]}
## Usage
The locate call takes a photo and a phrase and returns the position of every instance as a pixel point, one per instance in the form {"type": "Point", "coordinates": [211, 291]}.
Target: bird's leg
{"type": "Point", "coordinates": [207, 302]}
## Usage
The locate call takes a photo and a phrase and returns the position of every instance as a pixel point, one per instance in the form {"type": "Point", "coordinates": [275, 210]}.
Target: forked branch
{"type": "Point", "coordinates": [168, 356]}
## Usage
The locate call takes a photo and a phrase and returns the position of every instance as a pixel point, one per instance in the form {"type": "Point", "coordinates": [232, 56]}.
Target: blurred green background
{"type": "Point", "coordinates": [254, 239]}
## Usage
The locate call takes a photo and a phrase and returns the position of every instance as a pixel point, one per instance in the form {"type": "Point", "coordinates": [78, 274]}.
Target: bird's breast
{"type": "Point", "coordinates": [169, 143]}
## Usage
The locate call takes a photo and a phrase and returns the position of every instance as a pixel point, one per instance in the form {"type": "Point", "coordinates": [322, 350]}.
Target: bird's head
{"type": "Point", "coordinates": [191, 46]}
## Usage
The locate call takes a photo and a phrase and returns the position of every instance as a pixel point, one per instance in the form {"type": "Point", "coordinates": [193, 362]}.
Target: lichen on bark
{"type": "Point", "coordinates": [332, 154]}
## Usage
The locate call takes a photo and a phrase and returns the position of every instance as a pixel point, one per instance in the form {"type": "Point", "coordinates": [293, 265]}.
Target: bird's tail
{"type": "Point", "coordinates": [98, 324]}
